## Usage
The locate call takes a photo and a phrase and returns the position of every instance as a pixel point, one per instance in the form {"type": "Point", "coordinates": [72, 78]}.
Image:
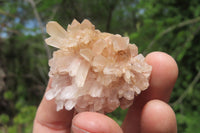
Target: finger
{"type": "Point", "coordinates": [158, 117]}
{"type": "Point", "coordinates": [94, 123]}
{"type": "Point", "coordinates": [163, 77]}
{"type": "Point", "coordinates": [49, 120]}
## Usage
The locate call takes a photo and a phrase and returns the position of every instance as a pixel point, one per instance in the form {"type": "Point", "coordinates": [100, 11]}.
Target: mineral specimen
{"type": "Point", "coordinates": [93, 70]}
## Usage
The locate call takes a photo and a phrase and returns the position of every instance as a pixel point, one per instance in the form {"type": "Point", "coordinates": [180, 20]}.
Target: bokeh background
{"type": "Point", "coordinates": [171, 26]}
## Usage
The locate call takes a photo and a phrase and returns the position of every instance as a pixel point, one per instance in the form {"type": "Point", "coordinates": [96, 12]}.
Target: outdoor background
{"type": "Point", "coordinates": [171, 26]}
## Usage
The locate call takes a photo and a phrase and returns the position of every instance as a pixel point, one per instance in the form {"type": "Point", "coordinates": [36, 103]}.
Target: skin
{"type": "Point", "coordinates": [149, 113]}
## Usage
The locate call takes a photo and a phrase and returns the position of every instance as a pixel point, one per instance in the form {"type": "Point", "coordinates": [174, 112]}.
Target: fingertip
{"type": "Point", "coordinates": [164, 74]}
{"type": "Point", "coordinates": [158, 117]}
{"type": "Point", "coordinates": [161, 60]}
{"type": "Point", "coordinates": [94, 122]}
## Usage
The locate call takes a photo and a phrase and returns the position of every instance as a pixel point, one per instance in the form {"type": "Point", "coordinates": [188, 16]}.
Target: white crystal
{"type": "Point", "coordinates": [82, 74]}
{"type": "Point", "coordinates": [59, 105]}
{"type": "Point", "coordinates": [87, 54]}
{"type": "Point", "coordinates": [96, 89]}
{"type": "Point", "coordinates": [68, 92]}
{"type": "Point", "coordinates": [99, 61]}
{"type": "Point", "coordinates": [70, 104]}
{"type": "Point", "coordinates": [129, 95]}
{"type": "Point", "coordinates": [74, 66]}
{"type": "Point", "coordinates": [98, 46]}
{"type": "Point", "coordinates": [52, 93]}
{"type": "Point", "coordinates": [119, 43]}
{"type": "Point", "coordinates": [55, 30]}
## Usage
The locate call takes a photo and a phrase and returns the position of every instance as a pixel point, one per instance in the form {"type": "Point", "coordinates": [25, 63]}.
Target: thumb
{"type": "Point", "coordinates": [91, 122]}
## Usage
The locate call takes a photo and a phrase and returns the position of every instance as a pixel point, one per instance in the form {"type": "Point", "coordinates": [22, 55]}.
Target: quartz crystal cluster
{"type": "Point", "coordinates": [93, 70]}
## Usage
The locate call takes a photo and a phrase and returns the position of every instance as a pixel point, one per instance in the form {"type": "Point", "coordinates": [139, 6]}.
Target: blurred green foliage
{"type": "Point", "coordinates": [171, 26]}
{"type": "Point", "coordinates": [4, 118]}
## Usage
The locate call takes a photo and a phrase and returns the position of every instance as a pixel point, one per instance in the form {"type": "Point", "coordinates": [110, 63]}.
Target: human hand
{"type": "Point", "coordinates": [146, 115]}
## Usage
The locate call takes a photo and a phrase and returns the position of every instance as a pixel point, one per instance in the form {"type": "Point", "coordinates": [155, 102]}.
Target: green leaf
{"type": "Point", "coordinates": [8, 95]}
{"type": "Point", "coordinates": [4, 118]}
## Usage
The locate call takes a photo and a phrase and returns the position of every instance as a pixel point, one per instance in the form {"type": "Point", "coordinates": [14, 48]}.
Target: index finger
{"type": "Point", "coordinates": [49, 120]}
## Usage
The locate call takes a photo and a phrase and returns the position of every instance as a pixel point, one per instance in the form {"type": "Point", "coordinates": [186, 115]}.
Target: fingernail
{"type": "Point", "coordinates": [76, 129]}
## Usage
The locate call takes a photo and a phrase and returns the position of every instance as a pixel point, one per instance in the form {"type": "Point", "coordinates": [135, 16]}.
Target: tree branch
{"type": "Point", "coordinates": [110, 12]}
{"type": "Point", "coordinates": [190, 87]}
{"type": "Point", "coordinates": [169, 29]}
{"type": "Point", "coordinates": [37, 16]}
{"type": "Point", "coordinates": [53, 13]}
{"type": "Point", "coordinates": [185, 47]}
